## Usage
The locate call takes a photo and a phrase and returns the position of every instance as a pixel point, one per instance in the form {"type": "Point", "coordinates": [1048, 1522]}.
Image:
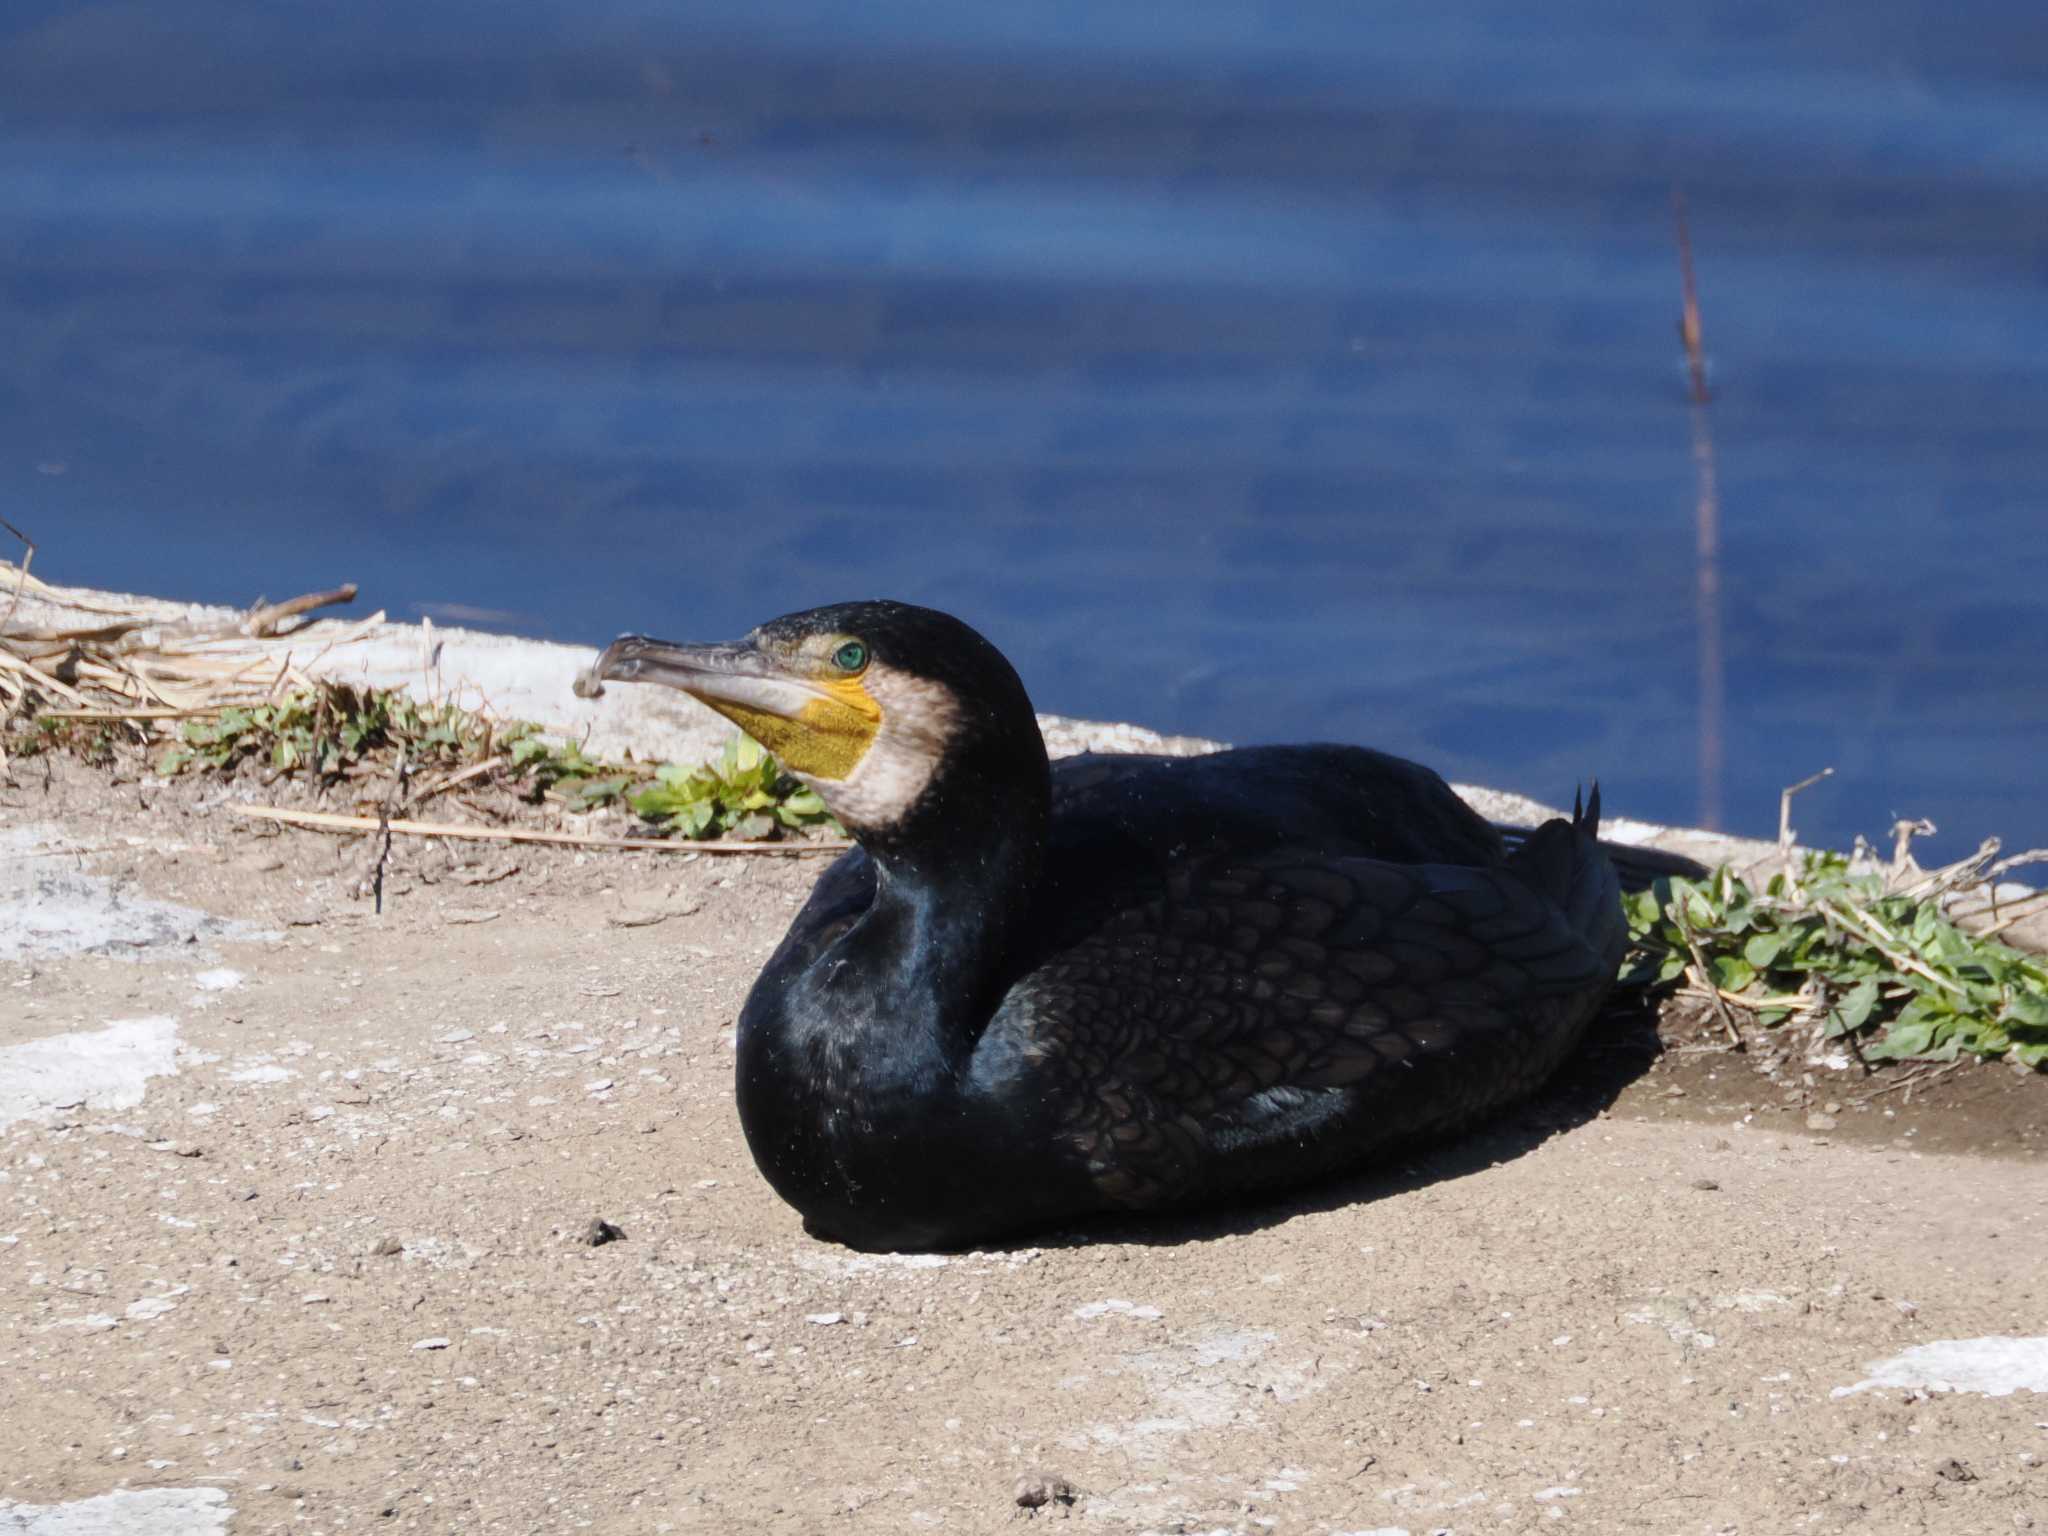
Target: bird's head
{"type": "Point", "coordinates": [881, 707]}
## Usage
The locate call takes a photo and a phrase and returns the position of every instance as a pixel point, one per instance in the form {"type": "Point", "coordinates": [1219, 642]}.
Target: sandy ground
{"type": "Point", "coordinates": [296, 1205]}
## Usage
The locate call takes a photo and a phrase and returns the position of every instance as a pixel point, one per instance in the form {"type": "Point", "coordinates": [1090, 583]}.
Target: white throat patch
{"type": "Point", "coordinates": [918, 720]}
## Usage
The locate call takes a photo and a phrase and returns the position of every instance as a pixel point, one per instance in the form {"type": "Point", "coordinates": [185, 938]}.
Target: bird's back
{"type": "Point", "coordinates": [1331, 799]}
{"type": "Point", "coordinates": [1251, 968]}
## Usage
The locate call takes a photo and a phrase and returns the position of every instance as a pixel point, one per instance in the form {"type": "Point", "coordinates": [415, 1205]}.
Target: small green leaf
{"type": "Point", "coordinates": [1731, 972]}
{"type": "Point", "coordinates": [1760, 949]}
{"type": "Point", "coordinates": [1902, 1040]}
{"type": "Point", "coordinates": [1855, 1009]}
{"type": "Point", "coordinates": [2028, 1008]}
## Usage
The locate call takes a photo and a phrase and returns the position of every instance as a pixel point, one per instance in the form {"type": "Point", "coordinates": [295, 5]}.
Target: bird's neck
{"type": "Point", "coordinates": [953, 894]}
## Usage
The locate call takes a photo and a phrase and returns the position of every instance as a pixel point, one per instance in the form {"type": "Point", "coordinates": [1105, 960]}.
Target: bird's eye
{"type": "Point", "coordinates": [850, 657]}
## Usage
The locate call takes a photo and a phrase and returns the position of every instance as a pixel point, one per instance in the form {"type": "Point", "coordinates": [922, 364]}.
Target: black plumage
{"type": "Point", "coordinates": [1139, 983]}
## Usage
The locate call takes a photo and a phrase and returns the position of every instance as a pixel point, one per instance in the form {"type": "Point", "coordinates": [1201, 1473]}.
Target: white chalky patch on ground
{"type": "Point", "coordinates": [864, 1264]}
{"type": "Point", "coordinates": [99, 1068]}
{"type": "Point", "coordinates": [91, 1322]}
{"type": "Point", "coordinates": [220, 979]}
{"type": "Point", "coordinates": [1751, 1301]}
{"type": "Point", "coordinates": [263, 1072]}
{"type": "Point", "coordinates": [437, 1253]}
{"type": "Point", "coordinates": [1673, 1314]}
{"type": "Point", "coordinates": [50, 906]}
{"type": "Point", "coordinates": [131, 1512]}
{"type": "Point", "coordinates": [1997, 1367]}
{"type": "Point", "coordinates": [1218, 1378]}
{"type": "Point", "coordinates": [1094, 1309]}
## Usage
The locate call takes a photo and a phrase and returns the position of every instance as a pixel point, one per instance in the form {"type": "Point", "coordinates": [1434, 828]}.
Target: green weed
{"type": "Point", "coordinates": [743, 794]}
{"type": "Point", "coordinates": [93, 744]}
{"type": "Point", "coordinates": [1888, 974]}
{"type": "Point", "coordinates": [328, 731]}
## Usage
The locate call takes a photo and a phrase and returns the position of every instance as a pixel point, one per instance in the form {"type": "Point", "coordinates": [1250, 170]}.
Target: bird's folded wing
{"type": "Point", "coordinates": [1256, 998]}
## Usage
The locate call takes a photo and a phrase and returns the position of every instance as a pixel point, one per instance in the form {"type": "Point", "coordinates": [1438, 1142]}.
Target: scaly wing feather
{"type": "Point", "coordinates": [1267, 1000]}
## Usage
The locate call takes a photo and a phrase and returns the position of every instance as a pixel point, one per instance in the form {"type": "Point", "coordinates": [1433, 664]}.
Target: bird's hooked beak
{"type": "Point", "coordinates": [733, 666]}
{"type": "Point", "coordinates": [819, 724]}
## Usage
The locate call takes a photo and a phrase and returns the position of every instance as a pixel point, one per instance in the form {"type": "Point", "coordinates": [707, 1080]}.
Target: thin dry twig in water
{"type": "Point", "coordinates": [1689, 330]}
{"type": "Point", "coordinates": [1706, 534]}
{"type": "Point", "coordinates": [329, 822]}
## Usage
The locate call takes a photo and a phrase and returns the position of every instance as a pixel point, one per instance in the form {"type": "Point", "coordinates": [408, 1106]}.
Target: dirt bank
{"type": "Point", "coordinates": [323, 1245]}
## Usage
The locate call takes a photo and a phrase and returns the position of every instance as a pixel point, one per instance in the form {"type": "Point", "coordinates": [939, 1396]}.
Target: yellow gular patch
{"type": "Point", "coordinates": [826, 739]}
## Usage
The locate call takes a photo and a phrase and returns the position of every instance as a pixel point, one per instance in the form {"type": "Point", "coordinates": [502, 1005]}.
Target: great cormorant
{"type": "Point", "coordinates": [1116, 983]}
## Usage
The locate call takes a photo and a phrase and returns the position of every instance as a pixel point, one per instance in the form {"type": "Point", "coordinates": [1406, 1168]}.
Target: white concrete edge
{"type": "Point", "coordinates": [516, 678]}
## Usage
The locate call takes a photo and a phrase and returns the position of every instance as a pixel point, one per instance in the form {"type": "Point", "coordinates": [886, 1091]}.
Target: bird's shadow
{"type": "Point", "coordinates": [1618, 1049]}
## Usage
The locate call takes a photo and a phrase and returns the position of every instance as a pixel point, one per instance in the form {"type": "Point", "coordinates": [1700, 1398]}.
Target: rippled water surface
{"type": "Point", "coordinates": [1263, 372]}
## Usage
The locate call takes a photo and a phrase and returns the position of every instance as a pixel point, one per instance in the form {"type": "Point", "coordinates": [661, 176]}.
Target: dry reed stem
{"type": "Point", "coordinates": [1786, 847]}
{"type": "Point", "coordinates": [1689, 329]}
{"type": "Point", "coordinates": [41, 678]}
{"type": "Point", "coordinates": [263, 619]}
{"type": "Point", "coordinates": [329, 822]}
{"type": "Point", "coordinates": [473, 771]}
{"type": "Point", "coordinates": [88, 715]}
{"type": "Point", "coordinates": [1702, 975]}
{"type": "Point", "coordinates": [135, 666]}
{"type": "Point", "coordinates": [1886, 943]}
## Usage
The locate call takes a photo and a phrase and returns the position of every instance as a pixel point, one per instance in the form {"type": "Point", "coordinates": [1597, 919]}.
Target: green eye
{"type": "Point", "coordinates": [850, 657]}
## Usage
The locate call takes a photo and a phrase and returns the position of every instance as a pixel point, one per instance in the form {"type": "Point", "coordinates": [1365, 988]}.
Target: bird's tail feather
{"type": "Point", "coordinates": [1566, 861]}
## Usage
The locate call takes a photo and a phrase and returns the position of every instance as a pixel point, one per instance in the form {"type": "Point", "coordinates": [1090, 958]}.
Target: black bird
{"type": "Point", "coordinates": [1118, 983]}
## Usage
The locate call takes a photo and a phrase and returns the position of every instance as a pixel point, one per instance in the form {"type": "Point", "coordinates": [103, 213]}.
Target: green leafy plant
{"type": "Point", "coordinates": [90, 743]}
{"type": "Point", "coordinates": [326, 730]}
{"type": "Point", "coordinates": [1885, 971]}
{"type": "Point", "coordinates": [744, 794]}
{"type": "Point", "coordinates": [585, 783]}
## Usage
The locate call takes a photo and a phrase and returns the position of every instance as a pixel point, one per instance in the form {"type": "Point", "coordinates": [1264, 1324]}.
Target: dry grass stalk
{"type": "Point", "coordinates": [1689, 329]}
{"type": "Point", "coordinates": [130, 664]}
{"type": "Point", "coordinates": [263, 619]}
{"type": "Point", "coordinates": [1702, 976]}
{"type": "Point", "coordinates": [327, 821]}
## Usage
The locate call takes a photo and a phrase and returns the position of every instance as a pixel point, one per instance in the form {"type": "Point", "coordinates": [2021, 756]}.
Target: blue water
{"type": "Point", "coordinates": [1265, 372]}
